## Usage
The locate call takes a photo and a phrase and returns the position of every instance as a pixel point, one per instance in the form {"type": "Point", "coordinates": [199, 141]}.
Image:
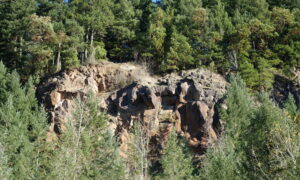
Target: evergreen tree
{"type": "Point", "coordinates": [291, 108]}
{"type": "Point", "coordinates": [221, 162]}
{"type": "Point", "coordinates": [248, 9]}
{"type": "Point", "coordinates": [179, 54]}
{"type": "Point", "coordinates": [176, 161]}
{"type": "Point", "coordinates": [41, 38]}
{"type": "Point", "coordinates": [215, 34]}
{"type": "Point", "coordinates": [157, 35]}
{"type": "Point", "coordinates": [273, 147]}
{"type": "Point", "coordinates": [122, 35]}
{"type": "Point", "coordinates": [14, 18]}
{"type": "Point", "coordinates": [284, 3]}
{"type": "Point", "coordinates": [138, 148]}
{"type": "Point", "coordinates": [228, 154]}
{"type": "Point", "coordinates": [95, 16]}
{"type": "Point", "coordinates": [22, 127]}
{"type": "Point", "coordinates": [87, 148]}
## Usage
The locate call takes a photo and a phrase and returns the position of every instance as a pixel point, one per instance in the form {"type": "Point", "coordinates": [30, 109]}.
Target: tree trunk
{"type": "Point", "coordinates": [21, 47]}
{"type": "Point", "coordinates": [58, 59]}
{"type": "Point", "coordinates": [86, 41]}
{"type": "Point", "coordinates": [92, 38]}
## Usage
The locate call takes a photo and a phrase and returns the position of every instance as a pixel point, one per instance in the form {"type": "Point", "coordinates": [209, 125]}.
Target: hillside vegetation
{"type": "Point", "coordinates": [256, 38]}
{"type": "Point", "coordinates": [50, 45]}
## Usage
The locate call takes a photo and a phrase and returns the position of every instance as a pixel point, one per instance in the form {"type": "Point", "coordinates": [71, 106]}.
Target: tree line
{"type": "Point", "coordinates": [255, 38]}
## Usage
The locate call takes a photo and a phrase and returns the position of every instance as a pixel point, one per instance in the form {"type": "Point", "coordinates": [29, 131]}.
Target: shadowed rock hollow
{"type": "Point", "coordinates": [185, 100]}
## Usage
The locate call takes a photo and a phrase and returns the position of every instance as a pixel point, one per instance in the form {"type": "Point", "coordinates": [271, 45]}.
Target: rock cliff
{"type": "Point", "coordinates": [186, 100]}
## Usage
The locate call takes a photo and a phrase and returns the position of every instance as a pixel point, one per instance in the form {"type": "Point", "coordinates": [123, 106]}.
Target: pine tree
{"type": "Point", "coordinates": [177, 160]}
{"type": "Point", "coordinates": [273, 147]}
{"type": "Point", "coordinates": [14, 18]}
{"type": "Point", "coordinates": [95, 16]}
{"type": "Point", "coordinates": [290, 107]}
{"type": "Point", "coordinates": [22, 127]}
{"type": "Point", "coordinates": [291, 4]}
{"type": "Point", "coordinates": [41, 38]}
{"type": "Point", "coordinates": [122, 35]}
{"type": "Point", "coordinates": [157, 35]}
{"type": "Point", "coordinates": [87, 148]}
{"type": "Point", "coordinates": [138, 149]}
{"type": "Point", "coordinates": [5, 170]}
{"type": "Point", "coordinates": [228, 155]}
{"type": "Point", "coordinates": [179, 54]}
{"type": "Point", "coordinates": [221, 162]}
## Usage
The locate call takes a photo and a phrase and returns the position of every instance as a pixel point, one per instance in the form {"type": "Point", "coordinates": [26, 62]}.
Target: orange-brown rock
{"type": "Point", "coordinates": [186, 99]}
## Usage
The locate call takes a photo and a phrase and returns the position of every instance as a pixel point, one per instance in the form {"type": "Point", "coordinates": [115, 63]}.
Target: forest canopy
{"type": "Point", "coordinates": [255, 38]}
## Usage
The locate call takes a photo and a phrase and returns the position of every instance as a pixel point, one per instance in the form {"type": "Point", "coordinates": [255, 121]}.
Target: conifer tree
{"type": "Point", "coordinates": [14, 18]}
{"type": "Point", "coordinates": [228, 154]}
{"type": "Point", "coordinates": [122, 35]}
{"type": "Point", "coordinates": [138, 161]}
{"type": "Point", "coordinates": [177, 160]}
{"type": "Point", "coordinates": [22, 127]}
{"type": "Point", "coordinates": [87, 148]}
{"type": "Point", "coordinates": [179, 54]}
{"type": "Point", "coordinates": [273, 147]}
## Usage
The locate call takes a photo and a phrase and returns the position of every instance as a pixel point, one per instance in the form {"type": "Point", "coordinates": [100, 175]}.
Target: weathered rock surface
{"type": "Point", "coordinates": [185, 100]}
{"type": "Point", "coordinates": [283, 86]}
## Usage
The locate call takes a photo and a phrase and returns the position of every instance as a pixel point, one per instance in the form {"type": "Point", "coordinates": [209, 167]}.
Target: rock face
{"type": "Point", "coordinates": [283, 86]}
{"type": "Point", "coordinates": [185, 100]}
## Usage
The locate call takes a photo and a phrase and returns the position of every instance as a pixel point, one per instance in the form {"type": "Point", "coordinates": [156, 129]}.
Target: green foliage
{"type": "Point", "coordinates": [138, 161]}
{"type": "Point", "coordinates": [100, 52]}
{"type": "Point", "coordinates": [177, 160]}
{"type": "Point", "coordinates": [70, 58]}
{"type": "Point", "coordinates": [22, 127]}
{"type": "Point", "coordinates": [255, 38]}
{"type": "Point", "coordinates": [259, 142]}
{"type": "Point", "coordinates": [228, 154]}
{"type": "Point", "coordinates": [87, 149]}
{"type": "Point", "coordinates": [14, 18]}
{"type": "Point", "coordinates": [179, 55]}
{"type": "Point", "coordinates": [220, 162]}
{"type": "Point", "coordinates": [274, 143]}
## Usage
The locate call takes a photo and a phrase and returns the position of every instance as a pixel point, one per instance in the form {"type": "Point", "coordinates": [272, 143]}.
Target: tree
{"type": "Point", "coordinates": [219, 27]}
{"type": "Point", "coordinates": [179, 54]}
{"type": "Point", "coordinates": [176, 161]}
{"type": "Point", "coordinates": [254, 55]}
{"type": "Point", "coordinates": [248, 9]}
{"type": "Point", "coordinates": [220, 162]}
{"type": "Point", "coordinates": [227, 155]}
{"type": "Point", "coordinates": [291, 4]}
{"type": "Point", "coordinates": [157, 35]}
{"type": "Point", "coordinates": [87, 148]}
{"type": "Point", "coordinates": [259, 142]}
{"type": "Point", "coordinates": [138, 161]}
{"type": "Point", "coordinates": [122, 35]}
{"type": "Point", "coordinates": [14, 21]}
{"type": "Point", "coordinates": [291, 107]}
{"type": "Point", "coordinates": [95, 16]}
{"type": "Point", "coordinates": [273, 146]}
{"type": "Point", "coordinates": [70, 58]}
{"type": "Point", "coordinates": [22, 127]}
{"type": "Point", "coordinates": [5, 170]}
{"type": "Point", "coordinates": [41, 38]}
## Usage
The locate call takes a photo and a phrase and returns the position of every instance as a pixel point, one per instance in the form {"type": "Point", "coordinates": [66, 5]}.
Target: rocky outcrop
{"type": "Point", "coordinates": [185, 100]}
{"type": "Point", "coordinates": [284, 86]}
